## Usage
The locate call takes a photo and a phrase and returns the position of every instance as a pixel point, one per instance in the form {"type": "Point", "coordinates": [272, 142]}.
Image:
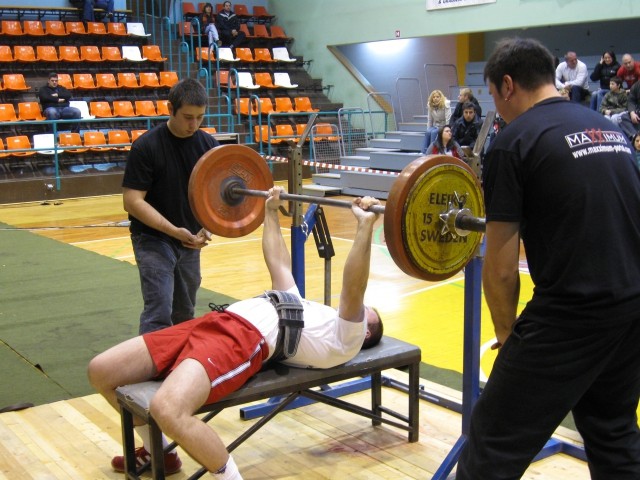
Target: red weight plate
{"type": "Point", "coordinates": [211, 177]}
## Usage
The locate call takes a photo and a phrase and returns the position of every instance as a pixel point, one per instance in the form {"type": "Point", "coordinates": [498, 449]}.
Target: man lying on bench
{"type": "Point", "coordinates": [204, 359]}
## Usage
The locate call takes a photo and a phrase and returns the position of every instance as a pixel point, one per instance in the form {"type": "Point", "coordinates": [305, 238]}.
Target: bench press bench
{"type": "Point", "coordinates": [291, 383]}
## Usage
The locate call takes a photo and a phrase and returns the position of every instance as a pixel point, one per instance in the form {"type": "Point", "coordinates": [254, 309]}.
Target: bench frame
{"type": "Point", "coordinates": [291, 383]}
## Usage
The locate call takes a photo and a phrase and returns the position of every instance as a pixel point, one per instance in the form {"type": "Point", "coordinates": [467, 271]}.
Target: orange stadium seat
{"type": "Point", "coordinates": [285, 131]}
{"type": "Point", "coordinates": [100, 109]}
{"type": "Point", "coordinates": [116, 28]}
{"type": "Point", "coordinates": [6, 54]}
{"type": "Point", "coordinates": [7, 113]}
{"type": "Point", "coordinates": [12, 27]}
{"type": "Point", "coordinates": [204, 54]}
{"type": "Point", "coordinates": [241, 11]}
{"type": "Point", "coordinates": [263, 55]}
{"type": "Point", "coordinates": [33, 28]}
{"type": "Point", "coordinates": [19, 142]}
{"type": "Point", "coordinates": [30, 111]}
{"type": "Point", "coordinates": [96, 28]}
{"type": "Point", "coordinates": [245, 29]}
{"type": "Point", "coordinates": [284, 105]}
{"type": "Point", "coordinates": [153, 53]}
{"type": "Point", "coordinates": [266, 106]}
{"type": "Point", "coordinates": [69, 53]}
{"type": "Point", "coordinates": [127, 80]}
{"type": "Point", "coordinates": [55, 27]}
{"type": "Point", "coordinates": [135, 134]}
{"type": "Point", "coordinates": [111, 53]}
{"type": "Point", "coordinates": [96, 141]}
{"type": "Point", "coordinates": [303, 104]}
{"type": "Point", "coordinates": [185, 29]}
{"type": "Point", "coordinates": [189, 10]}
{"type": "Point", "coordinates": [209, 130]}
{"type": "Point", "coordinates": [84, 81]}
{"type": "Point", "coordinates": [123, 108]}
{"type": "Point", "coordinates": [244, 55]}
{"type": "Point", "coordinates": [24, 53]}
{"type": "Point", "coordinates": [47, 53]}
{"type": "Point", "coordinates": [71, 142]}
{"type": "Point", "coordinates": [264, 134]}
{"type": "Point", "coordinates": [245, 106]}
{"type": "Point", "coordinates": [260, 31]}
{"type": "Point", "coordinates": [119, 137]}
{"type": "Point", "coordinates": [64, 80]}
{"type": "Point", "coordinates": [90, 53]}
{"type": "Point", "coordinates": [15, 82]}
{"type": "Point", "coordinates": [300, 129]}
{"type": "Point", "coordinates": [2, 150]}
{"type": "Point", "coordinates": [261, 13]}
{"type": "Point", "coordinates": [264, 80]}
{"type": "Point", "coordinates": [75, 28]}
{"type": "Point", "coordinates": [149, 80]}
{"type": "Point", "coordinates": [278, 32]}
{"type": "Point", "coordinates": [325, 131]}
{"type": "Point", "coordinates": [106, 80]}
{"type": "Point", "coordinates": [162, 107]}
{"type": "Point", "coordinates": [168, 79]}
{"type": "Point", "coordinates": [145, 108]}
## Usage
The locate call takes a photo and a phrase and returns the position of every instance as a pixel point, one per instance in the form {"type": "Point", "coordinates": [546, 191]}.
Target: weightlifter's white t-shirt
{"type": "Point", "coordinates": [326, 341]}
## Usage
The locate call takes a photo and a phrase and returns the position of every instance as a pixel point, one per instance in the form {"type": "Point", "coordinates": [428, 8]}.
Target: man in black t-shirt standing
{"type": "Point", "coordinates": [166, 236]}
{"type": "Point", "coordinates": [561, 178]}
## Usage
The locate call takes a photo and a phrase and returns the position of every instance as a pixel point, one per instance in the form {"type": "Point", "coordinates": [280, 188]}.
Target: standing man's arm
{"type": "Point", "coordinates": [135, 204]}
{"type": "Point", "coordinates": [275, 252]}
{"type": "Point", "coordinates": [356, 268]}
{"type": "Point", "coordinates": [500, 276]}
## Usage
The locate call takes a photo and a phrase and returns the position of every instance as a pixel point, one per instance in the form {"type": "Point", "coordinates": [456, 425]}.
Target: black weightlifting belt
{"type": "Point", "coordinates": [291, 323]}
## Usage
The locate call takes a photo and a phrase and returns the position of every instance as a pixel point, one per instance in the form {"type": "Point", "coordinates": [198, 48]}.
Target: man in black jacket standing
{"type": "Point", "coordinates": [54, 100]}
{"type": "Point", "coordinates": [228, 25]}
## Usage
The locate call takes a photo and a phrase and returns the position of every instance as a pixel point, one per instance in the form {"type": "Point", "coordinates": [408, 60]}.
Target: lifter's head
{"type": "Point", "coordinates": [374, 327]}
{"type": "Point", "coordinates": [187, 105]}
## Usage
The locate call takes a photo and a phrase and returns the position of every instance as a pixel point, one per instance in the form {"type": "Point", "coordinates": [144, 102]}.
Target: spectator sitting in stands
{"type": "Point", "coordinates": [636, 148]}
{"type": "Point", "coordinates": [630, 120]}
{"type": "Point", "coordinates": [208, 25]}
{"type": "Point", "coordinates": [614, 103]}
{"type": "Point", "coordinates": [629, 72]}
{"type": "Point", "coordinates": [465, 95]}
{"type": "Point", "coordinates": [229, 27]}
{"type": "Point", "coordinates": [603, 72]}
{"type": "Point", "coordinates": [438, 114]}
{"type": "Point", "coordinates": [445, 144]}
{"type": "Point", "coordinates": [54, 100]}
{"type": "Point", "coordinates": [571, 76]}
{"type": "Point", "coordinates": [465, 130]}
{"type": "Point", "coordinates": [88, 7]}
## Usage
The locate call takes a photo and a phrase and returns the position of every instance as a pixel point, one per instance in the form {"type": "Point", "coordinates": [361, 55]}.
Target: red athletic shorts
{"type": "Point", "coordinates": [229, 348]}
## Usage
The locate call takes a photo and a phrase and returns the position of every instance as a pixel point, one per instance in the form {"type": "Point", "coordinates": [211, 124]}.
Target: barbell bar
{"type": "Point", "coordinates": [432, 219]}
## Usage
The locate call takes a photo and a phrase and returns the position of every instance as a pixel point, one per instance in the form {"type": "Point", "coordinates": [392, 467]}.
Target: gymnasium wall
{"type": "Point", "coordinates": [315, 24]}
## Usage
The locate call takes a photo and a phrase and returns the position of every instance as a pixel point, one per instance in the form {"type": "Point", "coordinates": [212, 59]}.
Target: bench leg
{"type": "Point", "coordinates": [414, 406]}
{"type": "Point", "coordinates": [157, 453]}
{"type": "Point", "coordinates": [128, 444]}
{"type": "Point", "coordinates": [376, 396]}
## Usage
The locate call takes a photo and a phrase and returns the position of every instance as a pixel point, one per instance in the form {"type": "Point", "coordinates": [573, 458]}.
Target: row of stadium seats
{"type": "Point", "coordinates": [85, 81]}
{"type": "Point", "coordinates": [245, 55]}
{"type": "Point", "coordinates": [36, 28]}
{"type": "Point", "coordinates": [86, 53]}
{"type": "Point", "coordinates": [245, 106]}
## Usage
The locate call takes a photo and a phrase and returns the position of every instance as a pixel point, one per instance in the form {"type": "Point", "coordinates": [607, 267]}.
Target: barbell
{"type": "Point", "coordinates": [433, 218]}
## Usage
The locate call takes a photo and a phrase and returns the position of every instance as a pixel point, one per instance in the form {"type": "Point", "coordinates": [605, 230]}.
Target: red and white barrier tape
{"type": "Point", "coordinates": [347, 168]}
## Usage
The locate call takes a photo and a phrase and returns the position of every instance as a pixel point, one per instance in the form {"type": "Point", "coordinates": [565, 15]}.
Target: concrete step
{"type": "Point", "coordinates": [412, 142]}
{"type": "Point", "coordinates": [326, 179]}
{"type": "Point", "coordinates": [394, 161]}
{"type": "Point", "coordinates": [365, 151]}
{"type": "Point", "coordinates": [413, 127]}
{"type": "Point", "coordinates": [355, 161]}
{"type": "Point", "coordinates": [361, 192]}
{"type": "Point", "coordinates": [320, 190]}
{"type": "Point", "coordinates": [393, 143]}
{"type": "Point", "coordinates": [366, 181]}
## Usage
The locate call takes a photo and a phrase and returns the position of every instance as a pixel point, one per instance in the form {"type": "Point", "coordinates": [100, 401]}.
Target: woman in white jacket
{"type": "Point", "coordinates": [439, 113]}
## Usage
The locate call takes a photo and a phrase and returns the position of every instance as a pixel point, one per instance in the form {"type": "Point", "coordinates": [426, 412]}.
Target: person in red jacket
{"type": "Point", "coordinates": [629, 71]}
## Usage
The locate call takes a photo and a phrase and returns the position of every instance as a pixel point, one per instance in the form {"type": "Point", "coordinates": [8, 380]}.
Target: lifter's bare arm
{"type": "Point", "coordinates": [356, 268]}
{"type": "Point", "coordinates": [274, 249]}
{"type": "Point", "coordinates": [135, 204]}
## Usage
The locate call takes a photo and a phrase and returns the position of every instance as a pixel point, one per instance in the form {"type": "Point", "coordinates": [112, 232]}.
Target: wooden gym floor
{"type": "Point", "coordinates": [77, 438]}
